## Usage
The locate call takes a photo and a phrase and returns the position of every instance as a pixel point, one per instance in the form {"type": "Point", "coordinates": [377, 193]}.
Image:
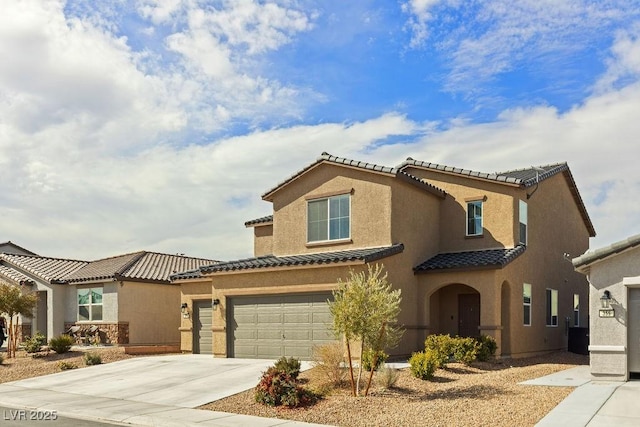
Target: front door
{"type": "Point", "coordinates": [469, 315]}
{"type": "Point", "coordinates": [633, 331]}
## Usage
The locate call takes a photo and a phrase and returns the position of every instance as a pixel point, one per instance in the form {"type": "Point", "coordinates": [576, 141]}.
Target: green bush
{"type": "Point", "coordinates": [442, 346]}
{"type": "Point", "coordinates": [65, 366]}
{"type": "Point", "coordinates": [488, 347]}
{"type": "Point", "coordinates": [423, 364]}
{"type": "Point", "coordinates": [91, 359]}
{"type": "Point", "coordinates": [278, 388]}
{"type": "Point", "coordinates": [289, 366]}
{"type": "Point", "coordinates": [61, 343]}
{"type": "Point", "coordinates": [368, 356]}
{"type": "Point", "coordinates": [34, 343]}
{"type": "Point", "coordinates": [465, 350]}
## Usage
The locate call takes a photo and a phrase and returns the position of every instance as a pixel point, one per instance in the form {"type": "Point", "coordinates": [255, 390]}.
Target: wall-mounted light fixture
{"type": "Point", "coordinates": [605, 302]}
{"type": "Point", "coordinates": [184, 309]}
{"type": "Point", "coordinates": [215, 303]}
{"type": "Point", "coordinates": [605, 299]}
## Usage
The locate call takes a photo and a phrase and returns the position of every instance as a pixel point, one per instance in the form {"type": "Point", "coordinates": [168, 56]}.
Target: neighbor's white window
{"type": "Point", "coordinates": [526, 302]}
{"type": "Point", "coordinates": [474, 218]}
{"type": "Point", "coordinates": [523, 222]}
{"type": "Point", "coordinates": [552, 307]}
{"type": "Point", "coordinates": [576, 310]}
{"type": "Point", "coordinates": [90, 304]}
{"type": "Point", "coordinates": [329, 219]}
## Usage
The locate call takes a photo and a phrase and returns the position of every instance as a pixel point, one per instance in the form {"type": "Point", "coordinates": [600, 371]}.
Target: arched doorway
{"type": "Point", "coordinates": [455, 310]}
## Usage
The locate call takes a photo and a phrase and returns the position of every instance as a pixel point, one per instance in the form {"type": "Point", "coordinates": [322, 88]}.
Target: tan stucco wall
{"type": "Point", "coordinates": [609, 274]}
{"type": "Point", "coordinates": [152, 310]}
{"type": "Point", "coordinates": [370, 209]}
{"type": "Point", "coordinates": [263, 240]}
{"type": "Point", "coordinates": [109, 302]}
{"type": "Point", "coordinates": [192, 291]}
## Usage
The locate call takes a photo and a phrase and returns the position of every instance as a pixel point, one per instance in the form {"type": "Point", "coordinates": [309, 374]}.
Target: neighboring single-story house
{"type": "Point", "coordinates": [473, 253]}
{"type": "Point", "coordinates": [613, 273]}
{"type": "Point", "coordinates": [11, 248]}
{"type": "Point", "coordinates": [124, 300]}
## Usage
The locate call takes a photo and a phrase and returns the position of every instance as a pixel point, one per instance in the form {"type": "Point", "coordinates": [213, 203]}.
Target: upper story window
{"type": "Point", "coordinates": [552, 307]}
{"type": "Point", "coordinates": [89, 304]}
{"type": "Point", "coordinates": [474, 218]}
{"type": "Point", "coordinates": [523, 222]}
{"type": "Point", "coordinates": [329, 218]}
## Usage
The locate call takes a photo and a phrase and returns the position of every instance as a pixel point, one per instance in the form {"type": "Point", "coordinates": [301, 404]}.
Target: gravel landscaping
{"type": "Point", "coordinates": [483, 394]}
{"type": "Point", "coordinates": [26, 366]}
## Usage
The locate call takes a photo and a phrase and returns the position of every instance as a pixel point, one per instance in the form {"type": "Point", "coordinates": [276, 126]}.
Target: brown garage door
{"type": "Point", "coordinates": [274, 326]}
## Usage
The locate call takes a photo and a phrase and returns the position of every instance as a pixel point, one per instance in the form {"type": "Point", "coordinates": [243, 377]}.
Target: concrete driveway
{"type": "Point", "coordinates": [155, 390]}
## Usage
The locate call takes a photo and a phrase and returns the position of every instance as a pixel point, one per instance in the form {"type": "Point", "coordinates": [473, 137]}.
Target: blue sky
{"type": "Point", "coordinates": [157, 124]}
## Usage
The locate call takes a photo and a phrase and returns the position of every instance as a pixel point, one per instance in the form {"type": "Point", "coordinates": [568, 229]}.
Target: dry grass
{"type": "Point", "coordinates": [484, 394]}
{"type": "Point", "coordinates": [26, 366]}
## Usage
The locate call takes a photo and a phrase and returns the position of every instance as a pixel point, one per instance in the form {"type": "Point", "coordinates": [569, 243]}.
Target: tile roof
{"type": "Point", "coordinates": [524, 178]}
{"type": "Point", "coordinates": [364, 255]}
{"type": "Point", "coordinates": [259, 221]}
{"type": "Point", "coordinates": [328, 158]}
{"type": "Point", "coordinates": [470, 260]}
{"type": "Point", "coordinates": [13, 275]}
{"type": "Point", "coordinates": [10, 243]}
{"type": "Point", "coordinates": [589, 257]}
{"type": "Point", "coordinates": [51, 270]}
{"type": "Point", "coordinates": [137, 266]}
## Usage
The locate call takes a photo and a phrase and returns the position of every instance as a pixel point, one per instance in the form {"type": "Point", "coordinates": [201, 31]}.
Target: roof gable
{"type": "Point", "coordinates": [368, 167]}
{"type": "Point", "coordinates": [51, 270]}
{"type": "Point", "coordinates": [137, 266]}
{"type": "Point", "coordinates": [524, 178]}
{"type": "Point", "coordinates": [11, 248]}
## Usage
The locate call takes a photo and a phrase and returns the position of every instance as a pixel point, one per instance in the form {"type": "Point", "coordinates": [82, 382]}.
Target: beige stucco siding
{"type": "Point", "coordinates": [263, 240]}
{"type": "Point", "coordinates": [109, 302]}
{"type": "Point", "coordinates": [370, 209]}
{"type": "Point", "coordinates": [152, 311]}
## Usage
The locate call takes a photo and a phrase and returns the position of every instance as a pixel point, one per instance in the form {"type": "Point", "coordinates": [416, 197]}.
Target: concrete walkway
{"type": "Point", "coordinates": [592, 403]}
{"type": "Point", "coordinates": [154, 391]}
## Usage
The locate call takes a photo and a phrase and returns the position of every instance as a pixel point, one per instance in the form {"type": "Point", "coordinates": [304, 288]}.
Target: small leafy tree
{"type": "Point", "coordinates": [13, 302]}
{"type": "Point", "coordinates": [365, 309]}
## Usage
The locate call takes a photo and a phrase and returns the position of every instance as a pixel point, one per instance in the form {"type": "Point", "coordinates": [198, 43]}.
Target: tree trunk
{"type": "Point", "coordinates": [353, 385]}
{"type": "Point", "coordinates": [375, 359]}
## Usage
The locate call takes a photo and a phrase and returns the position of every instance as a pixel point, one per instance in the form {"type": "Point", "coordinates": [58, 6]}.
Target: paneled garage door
{"type": "Point", "coordinates": [274, 326]}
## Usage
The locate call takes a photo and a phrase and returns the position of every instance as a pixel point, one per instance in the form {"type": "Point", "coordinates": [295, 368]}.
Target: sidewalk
{"type": "Point", "coordinates": [592, 403]}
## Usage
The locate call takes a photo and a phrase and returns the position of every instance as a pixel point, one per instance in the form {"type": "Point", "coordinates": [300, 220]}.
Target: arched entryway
{"type": "Point", "coordinates": [455, 310]}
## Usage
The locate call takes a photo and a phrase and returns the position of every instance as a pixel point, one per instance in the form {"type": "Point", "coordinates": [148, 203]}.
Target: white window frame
{"type": "Point", "coordinates": [526, 305]}
{"type": "Point", "coordinates": [523, 216]}
{"type": "Point", "coordinates": [90, 305]}
{"type": "Point", "coordinates": [551, 307]}
{"type": "Point", "coordinates": [576, 310]}
{"type": "Point", "coordinates": [473, 204]}
{"type": "Point", "coordinates": [328, 220]}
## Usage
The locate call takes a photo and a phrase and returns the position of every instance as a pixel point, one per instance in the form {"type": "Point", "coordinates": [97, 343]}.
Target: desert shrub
{"type": "Point", "coordinates": [289, 366]}
{"type": "Point", "coordinates": [279, 388]}
{"type": "Point", "coordinates": [328, 361]}
{"type": "Point", "coordinates": [91, 359]}
{"type": "Point", "coordinates": [65, 366]}
{"type": "Point", "coordinates": [367, 359]}
{"type": "Point", "coordinates": [465, 350]}
{"type": "Point", "coordinates": [423, 364]}
{"type": "Point", "coordinates": [442, 346]}
{"type": "Point", "coordinates": [61, 343]}
{"type": "Point", "coordinates": [387, 377]}
{"type": "Point", "coordinates": [34, 343]}
{"type": "Point", "coordinates": [487, 349]}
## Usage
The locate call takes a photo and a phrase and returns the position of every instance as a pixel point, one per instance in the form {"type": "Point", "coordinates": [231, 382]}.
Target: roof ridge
{"type": "Point", "coordinates": [42, 257]}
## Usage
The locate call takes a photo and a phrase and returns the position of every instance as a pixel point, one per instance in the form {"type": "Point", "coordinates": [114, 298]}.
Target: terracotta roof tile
{"type": "Point", "coordinates": [52, 270]}
{"type": "Point", "coordinates": [592, 256]}
{"type": "Point", "coordinates": [259, 221]}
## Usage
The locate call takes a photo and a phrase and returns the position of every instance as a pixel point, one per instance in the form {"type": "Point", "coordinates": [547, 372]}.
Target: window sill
{"type": "Point", "coordinates": [329, 243]}
{"type": "Point", "coordinates": [475, 236]}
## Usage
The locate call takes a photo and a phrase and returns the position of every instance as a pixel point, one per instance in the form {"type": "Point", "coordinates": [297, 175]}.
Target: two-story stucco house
{"type": "Point", "coordinates": [473, 253]}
